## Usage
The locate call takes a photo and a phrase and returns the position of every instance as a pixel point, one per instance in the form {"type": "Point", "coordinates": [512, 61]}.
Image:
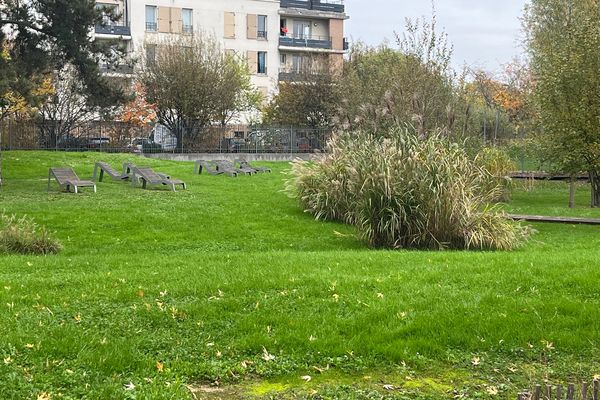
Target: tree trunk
{"type": "Point", "coordinates": [572, 191]}
{"type": "Point", "coordinates": [595, 180]}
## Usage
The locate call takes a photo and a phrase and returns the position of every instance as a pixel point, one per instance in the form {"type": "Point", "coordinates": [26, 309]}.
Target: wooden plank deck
{"type": "Point", "coordinates": [538, 176]}
{"type": "Point", "coordinates": [560, 220]}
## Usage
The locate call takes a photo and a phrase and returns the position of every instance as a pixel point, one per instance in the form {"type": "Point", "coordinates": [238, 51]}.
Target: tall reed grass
{"type": "Point", "coordinates": [402, 191]}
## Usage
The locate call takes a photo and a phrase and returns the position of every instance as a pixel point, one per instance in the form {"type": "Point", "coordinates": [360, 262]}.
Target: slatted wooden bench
{"type": "Point", "coordinates": [67, 178]}
{"type": "Point", "coordinates": [100, 168]}
{"type": "Point", "coordinates": [147, 176]}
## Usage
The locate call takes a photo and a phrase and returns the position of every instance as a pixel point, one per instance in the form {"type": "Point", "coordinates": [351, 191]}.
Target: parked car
{"type": "Point", "coordinates": [97, 142]}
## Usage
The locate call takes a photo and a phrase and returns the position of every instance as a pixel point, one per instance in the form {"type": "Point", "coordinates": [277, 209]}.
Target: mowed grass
{"type": "Point", "coordinates": [230, 285]}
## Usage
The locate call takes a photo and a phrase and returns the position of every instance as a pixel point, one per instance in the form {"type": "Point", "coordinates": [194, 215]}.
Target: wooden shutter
{"type": "Point", "coordinates": [164, 19]}
{"type": "Point", "coordinates": [253, 62]}
{"type": "Point", "coordinates": [252, 22]}
{"type": "Point", "coordinates": [229, 25]}
{"type": "Point", "coordinates": [176, 20]}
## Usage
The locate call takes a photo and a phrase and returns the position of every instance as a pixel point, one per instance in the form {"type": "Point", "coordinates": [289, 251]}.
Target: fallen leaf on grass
{"type": "Point", "coordinates": [160, 366]}
{"type": "Point", "coordinates": [29, 346]}
{"type": "Point", "coordinates": [129, 386]}
{"type": "Point", "coordinates": [7, 360]}
{"type": "Point", "coordinates": [306, 378]}
{"type": "Point", "coordinates": [388, 387]}
{"type": "Point", "coordinates": [266, 356]}
{"type": "Point", "coordinates": [476, 361]}
{"type": "Point", "coordinates": [492, 390]}
{"type": "Point", "coordinates": [44, 396]}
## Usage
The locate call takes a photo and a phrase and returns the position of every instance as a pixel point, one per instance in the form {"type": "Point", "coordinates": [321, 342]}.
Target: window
{"type": "Point", "coordinates": [283, 59]}
{"type": "Point", "coordinates": [297, 63]}
{"type": "Point", "coordinates": [261, 31]}
{"type": "Point", "coordinates": [262, 62]}
{"type": "Point", "coordinates": [150, 54]}
{"type": "Point", "coordinates": [302, 29]}
{"type": "Point", "coordinates": [151, 21]}
{"type": "Point", "coordinates": [186, 17]}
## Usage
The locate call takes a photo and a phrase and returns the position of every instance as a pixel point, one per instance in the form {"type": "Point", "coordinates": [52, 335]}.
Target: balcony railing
{"type": "Point", "coordinates": [319, 5]}
{"type": "Point", "coordinates": [261, 34]}
{"type": "Point", "coordinates": [308, 41]}
{"type": "Point", "coordinates": [117, 30]}
{"type": "Point", "coordinates": [290, 74]}
{"type": "Point", "coordinates": [187, 29]}
{"type": "Point", "coordinates": [116, 69]}
{"type": "Point", "coordinates": [151, 26]}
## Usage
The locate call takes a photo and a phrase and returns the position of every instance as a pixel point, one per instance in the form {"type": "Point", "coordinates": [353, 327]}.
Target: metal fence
{"type": "Point", "coordinates": [122, 137]}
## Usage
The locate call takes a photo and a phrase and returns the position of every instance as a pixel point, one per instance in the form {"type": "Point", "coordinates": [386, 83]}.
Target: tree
{"type": "Point", "coordinates": [193, 84]}
{"type": "Point", "coordinates": [138, 111]}
{"type": "Point", "coordinates": [412, 85]}
{"type": "Point", "coordinates": [310, 99]}
{"type": "Point", "coordinates": [64, 109]}
{"type": "Point", "coordinates": [562, 39]}
{"type": "Point", "coordinates": [41, 36]}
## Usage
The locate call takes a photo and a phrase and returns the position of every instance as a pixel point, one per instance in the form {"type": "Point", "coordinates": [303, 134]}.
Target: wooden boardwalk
{"type": "Point", "coordinates": [559, 220]}
{"type": "Point", "coordinates": [539, 176]}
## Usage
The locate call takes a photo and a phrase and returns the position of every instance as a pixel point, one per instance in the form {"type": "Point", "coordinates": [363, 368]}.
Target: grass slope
{"type": "Point", "coordinates": [229, 282]}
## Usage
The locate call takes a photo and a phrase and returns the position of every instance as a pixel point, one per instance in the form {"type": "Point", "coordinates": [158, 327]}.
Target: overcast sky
{"type": "Point", "coordinates": [485, 33]}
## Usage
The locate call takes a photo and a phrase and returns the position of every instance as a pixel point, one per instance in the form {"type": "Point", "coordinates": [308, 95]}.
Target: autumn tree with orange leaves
{"type": "Point", "coordinates": [139, 112]}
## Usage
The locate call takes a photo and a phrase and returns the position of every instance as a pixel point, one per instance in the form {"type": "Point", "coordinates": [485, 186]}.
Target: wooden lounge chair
{"type": "Point", "coordinates": [225, 166]}
{"type": "Point", "coordinates": [245, 164]}
{"type": "Point", "coordinates": [67, 178]}
{"type": "Point", "coordinates": [206, 166]}
{"type": "Point", "coordinates": [110, 171]}
{"type": "Point", "coordinates": [148, 176]}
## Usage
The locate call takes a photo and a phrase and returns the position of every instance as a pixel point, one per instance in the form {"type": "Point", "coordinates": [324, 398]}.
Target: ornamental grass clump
{"type": "Point", "coordinates": [402, 191]}
{"type": "Point", "coordinates": [24, 236]}
{"type": "Point", "coordinates": [499, 164]}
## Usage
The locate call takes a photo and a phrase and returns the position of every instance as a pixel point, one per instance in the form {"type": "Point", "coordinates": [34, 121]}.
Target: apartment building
{"type": "Point", "coordinates": [279, 38]}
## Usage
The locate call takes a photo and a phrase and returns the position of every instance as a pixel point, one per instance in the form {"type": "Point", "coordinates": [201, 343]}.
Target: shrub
{"type": "Point", "coordinates": [24, 236]}
{"type": "Point", "coordinates": [499, 164]}
{"type": "Point", "coordinates": [401, 191]}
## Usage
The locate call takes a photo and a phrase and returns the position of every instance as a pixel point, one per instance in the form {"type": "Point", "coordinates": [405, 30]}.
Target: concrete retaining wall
{"type": "Point", "coordinates": [233, 156]}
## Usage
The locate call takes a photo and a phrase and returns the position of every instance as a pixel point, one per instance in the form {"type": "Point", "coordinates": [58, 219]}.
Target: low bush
{"type": "Point", "coordinates": [402, 191]}
{"type": "Point", "coordinates": [24, 236]}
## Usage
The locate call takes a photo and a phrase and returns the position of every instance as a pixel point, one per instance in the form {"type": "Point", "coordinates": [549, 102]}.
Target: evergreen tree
{"type": "Point", "coordinates": [38, 37]}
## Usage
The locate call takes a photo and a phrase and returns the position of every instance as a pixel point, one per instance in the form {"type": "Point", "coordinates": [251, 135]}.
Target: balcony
{"type": "Point", "coordinates": [291, 74]}
{"type": "Point", "coordinates": [114, 30]}
{"type": "Point", "coordinates": [304, 41]}
{"type": "Point", "coordinates": [116, 69]}
{"type": "Point", "coordinates": [336, 6]}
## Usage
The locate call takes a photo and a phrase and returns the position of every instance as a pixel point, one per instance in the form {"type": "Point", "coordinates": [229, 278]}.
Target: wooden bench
{"type": "Point", "coordinates": [67, 178]}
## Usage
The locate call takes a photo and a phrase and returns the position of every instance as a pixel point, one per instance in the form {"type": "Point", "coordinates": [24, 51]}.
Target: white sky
{"type": "Point", "coordinates": [485, 33]}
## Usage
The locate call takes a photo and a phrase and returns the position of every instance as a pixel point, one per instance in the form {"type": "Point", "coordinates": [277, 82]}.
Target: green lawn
{"type": "Point", "coordinates": [230, 283]}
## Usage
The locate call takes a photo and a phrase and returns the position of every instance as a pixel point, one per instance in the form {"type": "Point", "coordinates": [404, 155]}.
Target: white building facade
{"type": "Point", "coordinates": [278, 38]}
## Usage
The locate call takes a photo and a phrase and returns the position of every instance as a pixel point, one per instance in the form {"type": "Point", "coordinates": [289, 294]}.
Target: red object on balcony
{"type": "Point", "coordinates": [284, 31]}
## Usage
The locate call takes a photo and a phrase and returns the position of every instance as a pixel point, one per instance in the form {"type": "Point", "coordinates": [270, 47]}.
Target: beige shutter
{"type": "Point", "coordinates": [229, 25]}
{"type": "Point", "coordinates": [253, 62]}
{"type": "Point", "coordinates": [176, 20]}
{"type": "Point", "coordinates": [252, 25]}
{"type": "Point", "coordinates": [164, 19]}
